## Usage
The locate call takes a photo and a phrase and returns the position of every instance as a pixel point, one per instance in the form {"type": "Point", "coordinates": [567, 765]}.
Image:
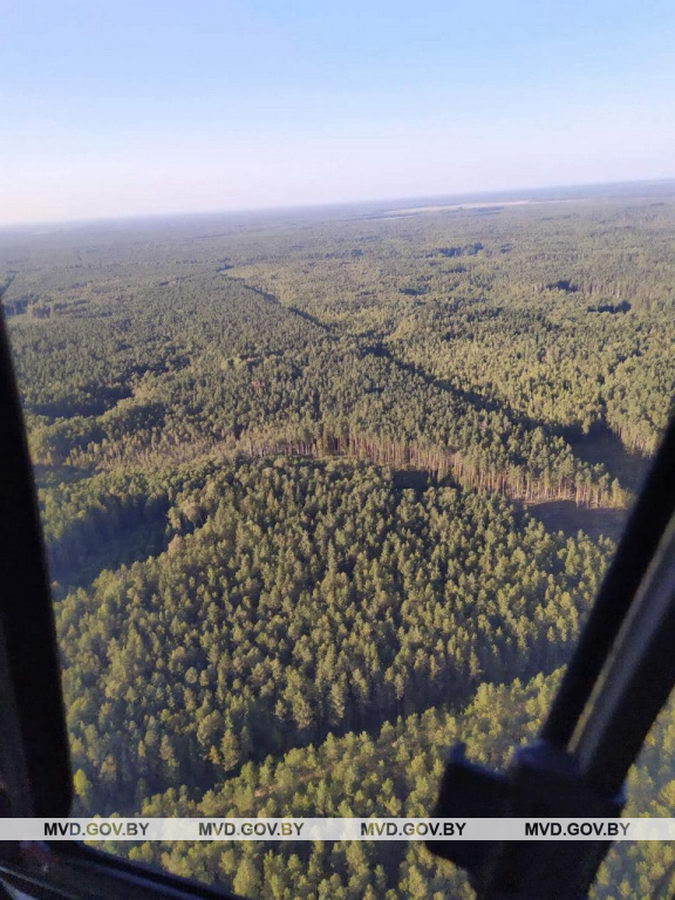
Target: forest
{"type": "Point", "coordinates": [326, 491]}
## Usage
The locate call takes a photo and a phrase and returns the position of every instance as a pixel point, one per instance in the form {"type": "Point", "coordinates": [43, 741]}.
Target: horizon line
{"type": "Point", "coordinates": [298, 207]}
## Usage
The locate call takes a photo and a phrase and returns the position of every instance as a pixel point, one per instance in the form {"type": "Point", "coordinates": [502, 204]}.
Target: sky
{"type": "Point", "coordinates": [114, 108]}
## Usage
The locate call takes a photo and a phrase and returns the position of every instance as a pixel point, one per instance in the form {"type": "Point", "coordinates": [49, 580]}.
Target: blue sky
{"type": "Point", "coordinates": [120, 108]}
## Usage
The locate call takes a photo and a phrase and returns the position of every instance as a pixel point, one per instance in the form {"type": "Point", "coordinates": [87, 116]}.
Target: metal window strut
{"type": "Point", "coordinates": [620, 677]}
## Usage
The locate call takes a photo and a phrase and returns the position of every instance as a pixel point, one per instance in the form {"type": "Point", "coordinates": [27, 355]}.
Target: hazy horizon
{"type": "Point", "coordinates": [127, 111]}
{"type": "Point", "coordinates": [379, 205]}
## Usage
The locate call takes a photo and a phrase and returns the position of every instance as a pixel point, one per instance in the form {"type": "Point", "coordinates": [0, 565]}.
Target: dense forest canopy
{"type": "Point", "coordinates": [324, 492]}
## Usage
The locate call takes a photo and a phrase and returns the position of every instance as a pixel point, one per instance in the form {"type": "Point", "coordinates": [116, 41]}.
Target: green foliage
{"type": "Point", "coordinates": [397, 773]}
{"type": "Point", "coordinates": [307, 597]}
{"type": "Point", "coordinates": [289, 470]}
